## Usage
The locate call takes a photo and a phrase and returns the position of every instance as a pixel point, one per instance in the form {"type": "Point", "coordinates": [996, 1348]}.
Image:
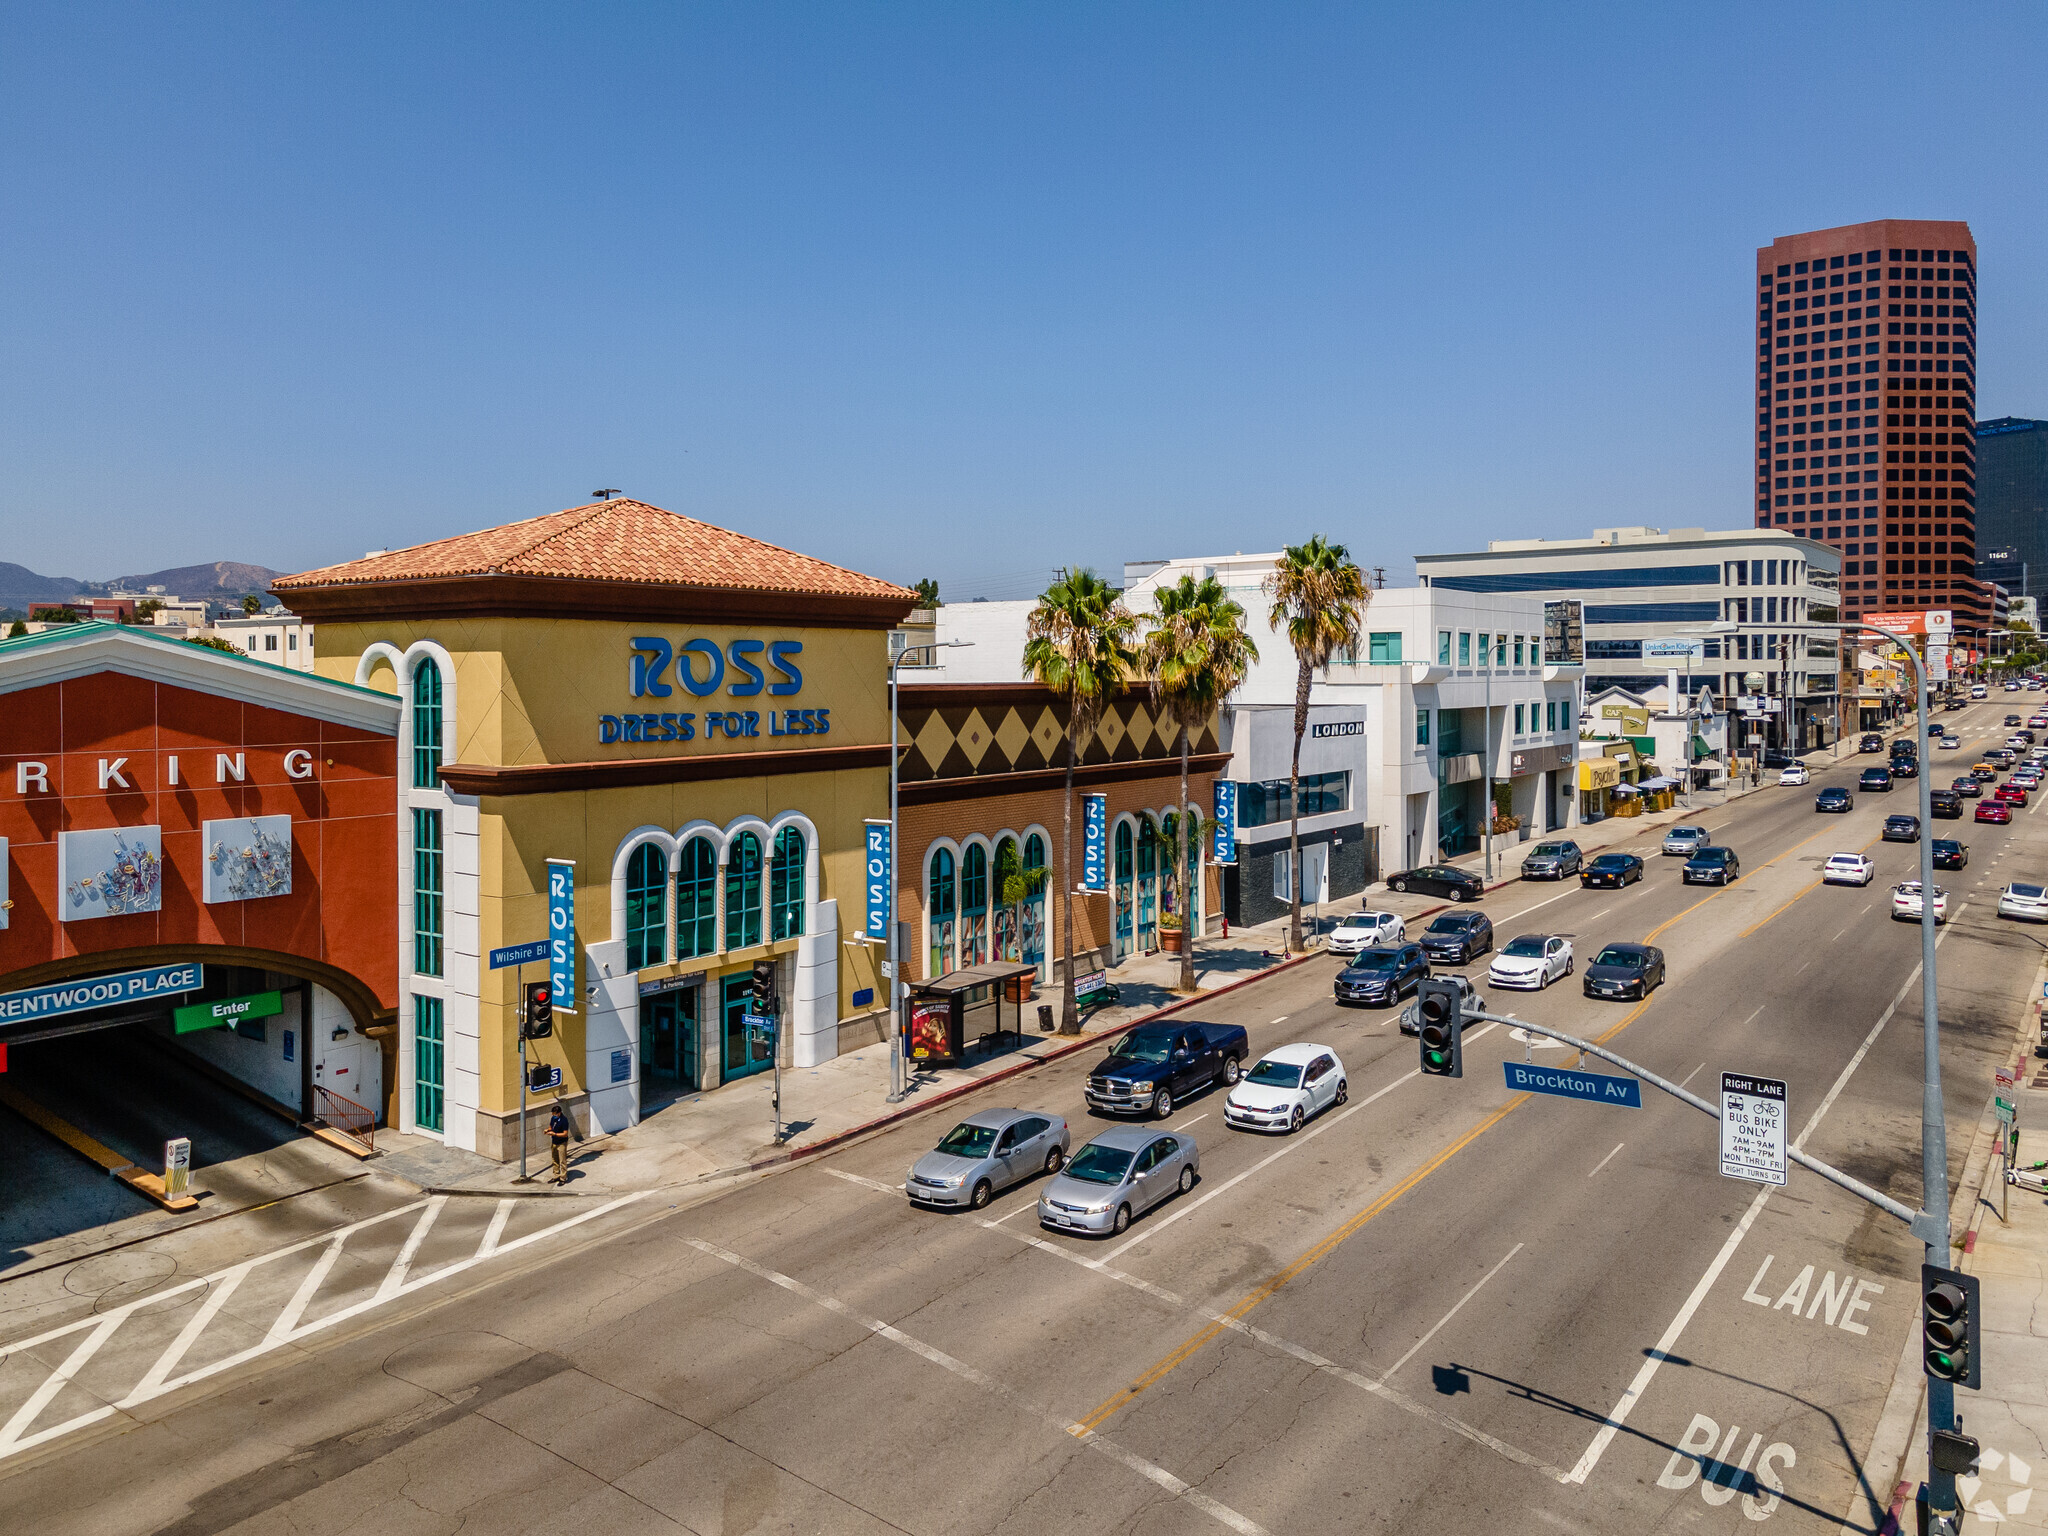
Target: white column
{"type": "Point", "coordinates": [815, 1008]}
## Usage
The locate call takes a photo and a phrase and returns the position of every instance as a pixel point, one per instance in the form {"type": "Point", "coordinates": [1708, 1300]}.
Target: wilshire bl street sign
{"type": "Point", "coordinates": [1571, 1083]}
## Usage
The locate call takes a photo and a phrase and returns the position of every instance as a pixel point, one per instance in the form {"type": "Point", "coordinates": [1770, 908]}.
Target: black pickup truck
{"type": "Point", "coordinates": [1153, 1067]}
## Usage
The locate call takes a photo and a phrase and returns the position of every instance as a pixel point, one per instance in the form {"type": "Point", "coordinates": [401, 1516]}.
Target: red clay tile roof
{"type": "Point", "coordinates": [610, 541]}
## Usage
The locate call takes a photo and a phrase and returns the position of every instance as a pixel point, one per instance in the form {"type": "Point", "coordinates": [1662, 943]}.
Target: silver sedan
{"type": "Point", "coordinates": [987, 1152]}
{"type": "Point", "coordinates": [1119, 1175]}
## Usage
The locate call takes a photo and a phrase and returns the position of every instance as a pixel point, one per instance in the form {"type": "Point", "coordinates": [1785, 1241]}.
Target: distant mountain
{"type": "Point", "coordinates": [20, 586]}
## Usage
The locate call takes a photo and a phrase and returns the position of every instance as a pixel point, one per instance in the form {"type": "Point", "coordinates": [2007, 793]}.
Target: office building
{"type": "Point", "coordinates": [2012, 504]}
{"type": "Point", "coordinates": [1639, 585]}
{"type": "Point", "coordinates": [1862, 385]}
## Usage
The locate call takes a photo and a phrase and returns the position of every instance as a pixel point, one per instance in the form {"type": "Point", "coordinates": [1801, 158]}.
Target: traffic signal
{"type": "Point", "coordinates": [1438, 1013]}
{"type": "Point", "coordinates": [539, 1076]}
{"type": "Point", "coordinates": [540, 1010]}
{"type": "Point", "coordinates": [764, 986]}
{"type": "Point", "coordinates": [1950, 1326]}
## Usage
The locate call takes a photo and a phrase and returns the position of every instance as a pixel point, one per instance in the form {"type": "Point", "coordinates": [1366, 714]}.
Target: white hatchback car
{"type": "Point", "coordinates": [1796, 774]}
{"type": "Point", "coordinates": [1848, 869]}
{"type": "Point", "coordinates": [2024, 899]}
{"type": "Point", "coordinates": [1906, 901]}
{"type": "Point", "coordinates": [1359, 931]}
{"type": "Point", "coordinates": [1531, 962]}
{"type": "Point", "coordinates": [1287, 1087]}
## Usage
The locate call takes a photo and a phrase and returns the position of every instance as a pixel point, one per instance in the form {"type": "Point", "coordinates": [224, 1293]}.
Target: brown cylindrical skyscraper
{"type": "Point", "coordinates": [1866, 408]}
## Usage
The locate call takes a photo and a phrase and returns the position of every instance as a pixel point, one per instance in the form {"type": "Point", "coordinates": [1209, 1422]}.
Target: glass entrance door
{"type": "Point", "coordinates": [668, 1047]}
{"type": "Point", "coordinates": [741, 1059]}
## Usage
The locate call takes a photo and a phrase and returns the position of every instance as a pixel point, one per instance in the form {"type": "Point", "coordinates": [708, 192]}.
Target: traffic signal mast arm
{"type": "Point", "coordinates": [1916, 1220]}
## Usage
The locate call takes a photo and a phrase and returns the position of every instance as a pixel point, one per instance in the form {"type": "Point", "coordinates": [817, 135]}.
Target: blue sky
{"type": "Point", "coordinates": [961, 290]}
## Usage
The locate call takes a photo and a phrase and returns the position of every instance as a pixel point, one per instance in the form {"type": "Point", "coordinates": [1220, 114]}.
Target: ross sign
{"type": "Point", "coordinates": [177, 1167]}
{"type": "Point", "coordinates": [519, 954]}
{"type": "Point", "coordinates": [1674, 648]}
{"type": "Point", "coordinates": [880, 836]}
{"type": "Point", "coordinates": [1752, 1128]}
{"type": "Point", "coordinates": [1095, 842]}
{"type": "Point", "coordinates": [1570, 1083]}
{"type": "Point", "coordinates": [744, 668]}
{"type": "Point", "coordinates": [1337, 728]}
{"type": "Point", "coordinates": [562, 933]}
{"type": "Point", "coordinates": [97, 992]}
{"type": "Point", "coordinates": [1224, 822]}
{"type": "Point", "coordinates": [226, 1010]}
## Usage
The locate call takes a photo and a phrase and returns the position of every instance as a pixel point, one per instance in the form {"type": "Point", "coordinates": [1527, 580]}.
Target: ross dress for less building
{"type": "Point", "coordinates": [696, 721]}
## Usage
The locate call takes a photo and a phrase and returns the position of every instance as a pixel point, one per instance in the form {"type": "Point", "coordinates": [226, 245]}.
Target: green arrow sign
{"type": "Point", "coordinates": [227, 1010]}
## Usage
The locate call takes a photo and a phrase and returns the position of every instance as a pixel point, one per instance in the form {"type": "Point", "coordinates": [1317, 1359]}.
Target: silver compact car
{"type": "Point", "coordinates": [1119, 1175]}
{"type": "Point", "coordinates": [987, 1152]}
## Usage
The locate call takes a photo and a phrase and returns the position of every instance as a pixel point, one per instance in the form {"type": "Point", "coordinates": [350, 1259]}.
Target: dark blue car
{"type": "Point", "coordinates": [1382, 974]}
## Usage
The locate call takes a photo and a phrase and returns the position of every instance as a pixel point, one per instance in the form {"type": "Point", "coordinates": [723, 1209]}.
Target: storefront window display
{"type": "Point", "coordinates": [1032, 938]}
{"type": "Point", "coordinates": [942, 912]}
{"type": "Point", "coordinates": [786, 888]}
{"type": "Point", "coordinates": [1007, 869]}
{"type": "Point", "coordinates": [646, 907]}
{"type": "Point", "coordinates": [743, 892]}
{"type": "Point", "coordinates": [1148, 885]}
{"type": "Point", "coordinates": [974, 905]}
{"type": "Point", "coordinates": [1125, 902]}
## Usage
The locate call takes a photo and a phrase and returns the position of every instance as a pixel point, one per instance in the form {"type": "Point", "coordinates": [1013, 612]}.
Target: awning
{"type": "Point", "coordinates": [1660, 782]}
{"type": "Point", "coordinates": [1700, 750]}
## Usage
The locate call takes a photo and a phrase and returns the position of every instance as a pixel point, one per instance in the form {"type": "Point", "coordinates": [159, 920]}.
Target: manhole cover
{"type": "Point", "coordinates": [113, 1278]}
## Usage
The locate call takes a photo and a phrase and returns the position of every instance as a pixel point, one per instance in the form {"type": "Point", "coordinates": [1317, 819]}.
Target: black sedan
{"type": "Point", "coordinates": [1439, 880]}
{"type": "Point", "coordinates": [1382, 974]}
{"type": "Point", "coordinates": [1950, 854]}
{"type": "Point", "coordinates": [1968, 786]}
{"type": "Point", "coordinates": [1612, 869]}
{"type": "Point", "coordinates": [1711, 866]}
{"type": "Point", "coordinates": [1875, 781]}
{"type": "Point", "coordinates": [1834, 798]}
{"type": "Point", "coordinates": [1945, 805]}
{"type": "Point", "coordinates": [1905, 768]}
{"type": "Point", "coordinates": [1902, 829]}
{"type": "Point", "coordinates": [1871, 743]}
{"type": "Point", "coordinates": [1553, 861]}
{"type": "Point", "coordinates": [1457, 937]}
{"type": "Point", "coordinates": [1625, 970]}
{"type": "Point", "coordinates": [2014, 720]}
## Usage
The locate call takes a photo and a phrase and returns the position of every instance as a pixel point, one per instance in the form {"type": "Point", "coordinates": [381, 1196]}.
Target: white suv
{"type": "Point", "coordinates": [1362, 930]}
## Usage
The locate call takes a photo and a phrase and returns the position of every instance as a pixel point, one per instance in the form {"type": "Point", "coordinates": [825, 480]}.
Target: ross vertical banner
{"type": "Point", "coordinates": [1226, 823]}
{"type": "Point", "coordinates": [879, 874]}
{"type": "Point", "coordinates": [562, 933]}
{"type": "Point", "coordinates": [1095, 842]}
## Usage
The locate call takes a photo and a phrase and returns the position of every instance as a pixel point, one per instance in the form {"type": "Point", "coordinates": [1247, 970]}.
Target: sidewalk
{"type": "Point", "coordinates": [701, 1137]}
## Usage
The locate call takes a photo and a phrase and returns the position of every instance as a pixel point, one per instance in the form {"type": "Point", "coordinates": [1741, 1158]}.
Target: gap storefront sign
{"type": "Point", "coordinates": [746, 668]}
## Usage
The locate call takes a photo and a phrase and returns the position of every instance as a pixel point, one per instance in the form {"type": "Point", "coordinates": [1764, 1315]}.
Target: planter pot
{"type": "Point", "coordinates": [1171, 939]}
{"type": "Point", "coordinates": [1020, 990]}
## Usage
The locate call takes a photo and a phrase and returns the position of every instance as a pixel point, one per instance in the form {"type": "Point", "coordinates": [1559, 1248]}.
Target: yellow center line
{"type": "Point", "coordinates": [1264, 1292]}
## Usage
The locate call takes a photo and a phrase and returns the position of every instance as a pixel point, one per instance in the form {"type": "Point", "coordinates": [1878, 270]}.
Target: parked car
{"type": "Point", "coordinates": [1152, 1067]}
{"type": "Point", "coordinates": [1834, 798]}
{"type": "Point", "coordinates": [1945, 805]}
{"type": "Point", "coordinates": [1457, 937]}
{"type": "Point", "coordinates": [1995, 811]}
{"type": "Point", "coordinates": [1285, 1088]}
{"type": "Point", "coordinates": [1683, 840]}
{"type": "Point", "coordinates": [1871, 742]}
{"type": "Point", "coordinates": [1950, 854]}
{"type": "Point", "coordinates": [2026, 900]}
{"type": "Point", "coordinates": [1531, 962]}
{"type": "Point", "coordinates": [1553, 860]}
{"type": "Point", "coordinates": [1439, 880]}
{"type": "Point", "coordinates": [1613, 869]}
{"type": "Point", "coordinates": [1357, 931]}
{"type": "Point", "coordinates": [1625, 970]}
{"type": "Point", "coordinates": [1875, 781]}
{"type": "Point", "coordinates": [1776, 757]}
{"type": "Point", "coordinates": [1119, 1175]}
{"type": "Point", "coordinates": [1382, 975]}
{"type": "Point", "coordinates": [1848, 869]}
{"type": "Point", "coordinates": [987, 1152]}
{"type": "Point", "coordinates": [1711, 866]}
{"type": "Point", "coordinates": [1901, 829]}
{"type": "Point", "coordinates": [1411, 1016]}
{"type": "Point", "coordinates": [1796, 774]}
{"type": "Point", "coordinates": [1906, 901]}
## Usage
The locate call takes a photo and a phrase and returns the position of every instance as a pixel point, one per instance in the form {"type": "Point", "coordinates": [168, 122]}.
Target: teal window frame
{"type": "Point", "coordinates": [646, 907]}
{"type": "Point", "coordinates": [1443, 647]}
{"type": "Point", "coordinates": [1464, 647]}
{"type": "Point", "coordinates": [786, 886]}
{"type": "Point", "coordinates": [696, 899]}
{"type": "Point", "coordinates": [427, 930]}
{"type": "Point", "coordinates": [429, 1063]}
{"type": "Point", "coordinates": [1422, 727]}
{"type": "Point", "coordinates": [1383, 647]}
{"type": "Point", "coordinates": [426, 725]}
{"type": "Point", "coordinates": [1518, 721]}
{"type": "Point", "coordinates": [743, 892]}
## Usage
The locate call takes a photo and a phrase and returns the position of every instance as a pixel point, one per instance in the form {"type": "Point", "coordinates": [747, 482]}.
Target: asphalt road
{"type": "Point", "coordinates": [1443, 1307]}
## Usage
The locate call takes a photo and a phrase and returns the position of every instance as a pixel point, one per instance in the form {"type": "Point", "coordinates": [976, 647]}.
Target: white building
{"type": "Point", "coordinates": [277, 636]}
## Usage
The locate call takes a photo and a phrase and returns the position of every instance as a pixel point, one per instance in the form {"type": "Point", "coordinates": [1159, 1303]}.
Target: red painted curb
{"type": "Point", "coordinates": [795, 1154]}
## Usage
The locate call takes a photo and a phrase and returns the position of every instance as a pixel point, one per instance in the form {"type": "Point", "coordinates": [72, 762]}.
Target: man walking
{"type": "Point", "coordinates": [560, 1127]}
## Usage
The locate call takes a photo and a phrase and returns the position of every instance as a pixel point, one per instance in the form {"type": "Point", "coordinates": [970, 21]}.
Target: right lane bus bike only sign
{"type": "Point", "coordinates": [1752, 1128]}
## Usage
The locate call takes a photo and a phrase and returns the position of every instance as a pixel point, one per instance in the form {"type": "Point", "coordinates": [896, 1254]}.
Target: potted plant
{"type": "Point", "coordinates": [1171, 933]}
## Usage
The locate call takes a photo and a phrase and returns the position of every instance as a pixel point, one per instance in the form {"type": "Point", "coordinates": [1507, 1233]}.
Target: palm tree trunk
{"type": "Point", "coordinates": [1180, 854]}
{"type": "Point", "coordinates": [1070, 1008]}
{"type": "Point", "coordinates": [1294, 944]}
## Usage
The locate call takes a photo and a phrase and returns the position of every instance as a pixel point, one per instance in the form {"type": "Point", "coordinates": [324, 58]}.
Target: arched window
{"type": "Point", "coordinates": [1148, 884]}
{"type": "Point", "coordinates": [1005, 878]}
{"type": "Point", "coordinates": [426, 725]}
{"type": "Point", "coordinates": [786, 885]}
{"type": "Point", "coordinates": [696, 900]}
{"type": "Point", "coordinates": [743, 892]}
{"type": "Point", "coordinates": [1124, 896]}
{"type": "Point", "coordinates": [939, 913]}
{"type": "Point", "coordinates": [1031, 935]}
{"type": "Point", "coordinates": [974, 905]}
{"type": "Point", "coordinates": [646, 908]}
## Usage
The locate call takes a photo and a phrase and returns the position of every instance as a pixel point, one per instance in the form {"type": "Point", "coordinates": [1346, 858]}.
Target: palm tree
{"type": "Point", "coordinates": [1078, 644]}
{"type": "Point", "coordinates": [1319, 597]}
{"type": "Point", "coordinates": [1196, 653]}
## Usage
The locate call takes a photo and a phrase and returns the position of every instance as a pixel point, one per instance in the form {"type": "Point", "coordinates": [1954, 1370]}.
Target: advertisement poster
{"type": "Point", "coordinates": [562, 933]}
{"type": "Point", "coordinates": [931, 1030]}
{"type": "Point", "coordinates": [878, 870]}
{"type": "Point", "coordinates": [247, 858]}
{"type": "Point", "coordinates": [110, 872]}
{"type": "Point", "coordinates": [1225, 851]}
{"type": "Point", "coordinates": [1095, 842]}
